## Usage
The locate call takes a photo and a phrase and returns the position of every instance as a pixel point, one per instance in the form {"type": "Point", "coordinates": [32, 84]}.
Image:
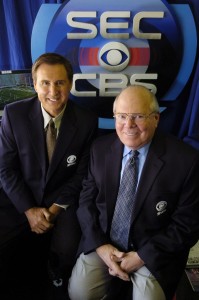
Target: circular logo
{"type": "Point", "coordinates": [71, 159]}
{"type": "Point", "coordinates": [161, 205]}
{"type": "Point", "coordinates": [114, 57]}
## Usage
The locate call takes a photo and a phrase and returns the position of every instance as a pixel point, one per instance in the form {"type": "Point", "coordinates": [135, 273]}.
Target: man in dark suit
{"type": "Point", "coordinates": [164, 222]}
{"type": "Point", "coordinates": [38, 196]}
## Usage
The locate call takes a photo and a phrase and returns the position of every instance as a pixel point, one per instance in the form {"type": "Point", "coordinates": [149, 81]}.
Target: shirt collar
{"type": "Point", "coordinates": [143, 150]}
{"type": "Point", "coordinates": [57, 119]}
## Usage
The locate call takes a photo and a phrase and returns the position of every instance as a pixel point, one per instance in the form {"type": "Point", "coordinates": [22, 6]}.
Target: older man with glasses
{"type": "Point", "coordinates": [139, 206]}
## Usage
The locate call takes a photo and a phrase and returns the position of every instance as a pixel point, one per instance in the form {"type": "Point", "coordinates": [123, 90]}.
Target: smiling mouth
{"type": "Point", "coordinates": [130, 133]}
{"type": "Point", "coordinates": [52, 99]}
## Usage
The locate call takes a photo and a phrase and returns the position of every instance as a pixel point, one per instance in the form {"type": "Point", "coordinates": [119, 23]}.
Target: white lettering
{"type": "Point", "coordinates": [136, 24]}
{"type": "Point", "coordinates": [83, 25]}
{"type": "Point", "coordinates": [82, 93]}
{"type": "Point", "coordinates": [135, 77]}
{"type": "Point", "coordinates": [74, 19]}
{"type": "Point", "coordinates": [111, 84]}
{"type": "Point", "coordinates": [105, 25]}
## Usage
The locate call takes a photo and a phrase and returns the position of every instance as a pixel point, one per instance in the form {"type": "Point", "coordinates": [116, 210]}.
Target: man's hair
{"type": "Point", "coordinates": [52, 59]}
{"type": "Point", "coordinates": [154, 102]}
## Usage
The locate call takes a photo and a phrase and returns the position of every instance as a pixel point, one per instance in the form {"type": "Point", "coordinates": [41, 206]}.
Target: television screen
{"type": "Point", "coordinates": [15, 85]}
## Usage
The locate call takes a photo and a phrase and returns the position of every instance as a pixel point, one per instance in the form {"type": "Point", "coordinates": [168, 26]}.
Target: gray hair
{"type": "Point", "coordinates": [153, 103]}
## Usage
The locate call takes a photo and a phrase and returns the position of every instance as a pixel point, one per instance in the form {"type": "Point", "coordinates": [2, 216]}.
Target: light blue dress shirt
{"type": "Point", "coordinates": [141, 158]}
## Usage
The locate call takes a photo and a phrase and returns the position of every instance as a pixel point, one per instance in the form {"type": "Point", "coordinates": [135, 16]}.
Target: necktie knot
{"type": "Point", "coordinates": [134, 156]}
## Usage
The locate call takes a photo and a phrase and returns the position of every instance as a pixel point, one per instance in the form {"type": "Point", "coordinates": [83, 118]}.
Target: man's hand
{"type": "Point", "coordinates": [37, 218]}
{"type": "Point", "coordinates": [131, 262]}
{"type": "Point", "coordinates": [53, 211]}
{"type": "Point", "coordinates": [112, 258]}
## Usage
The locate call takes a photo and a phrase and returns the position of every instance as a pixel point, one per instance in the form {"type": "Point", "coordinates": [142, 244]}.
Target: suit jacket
{"type": "Point", "coordinates": [26, 180]}
{"type": "Point", "coordinates": [166, 222]}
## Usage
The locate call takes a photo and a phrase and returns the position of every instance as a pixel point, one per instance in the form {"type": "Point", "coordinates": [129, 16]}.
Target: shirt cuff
{"type": "Point", "coordinates": [64, 206]}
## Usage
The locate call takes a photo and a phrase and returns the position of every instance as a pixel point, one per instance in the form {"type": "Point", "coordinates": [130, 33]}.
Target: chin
{"type": "Point", "coordinates": [130, 144]}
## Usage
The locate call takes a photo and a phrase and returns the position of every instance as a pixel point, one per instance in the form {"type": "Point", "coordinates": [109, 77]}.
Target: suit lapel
{"type": "Point", "coordinates": [152, 167]}
{"type": "Point", "coordinates": [36, 132]}
{"type": "Point", "coordinates": [113, 162]}
{"type": "Point", "coordinates": [67, 133]}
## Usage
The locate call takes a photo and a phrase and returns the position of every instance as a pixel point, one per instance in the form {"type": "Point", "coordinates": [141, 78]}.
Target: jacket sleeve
{"type": "Point", "coordinates": [10, 173]}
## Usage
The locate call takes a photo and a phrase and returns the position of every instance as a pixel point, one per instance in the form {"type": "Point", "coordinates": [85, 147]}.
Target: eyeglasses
{"type": "Point", "coordinates": [122, 118]}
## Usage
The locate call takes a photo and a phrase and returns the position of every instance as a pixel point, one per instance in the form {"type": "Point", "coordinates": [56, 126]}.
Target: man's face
{"type": "Point", "coordinates": [53, 87]}
{"type": "Point", "coordinates": [135, 133]}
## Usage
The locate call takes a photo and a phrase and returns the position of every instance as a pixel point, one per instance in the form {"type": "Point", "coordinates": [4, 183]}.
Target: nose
{"type": "Point", "coordinates": [130, 122]}
{"type": "Point", "coordinates": [53, 89]}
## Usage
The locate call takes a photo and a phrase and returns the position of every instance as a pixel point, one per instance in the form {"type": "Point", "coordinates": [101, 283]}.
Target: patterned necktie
{"type": "Point", "coordinates": [51, 135]}
{"type": "Point", "coordinates": [125, 202]}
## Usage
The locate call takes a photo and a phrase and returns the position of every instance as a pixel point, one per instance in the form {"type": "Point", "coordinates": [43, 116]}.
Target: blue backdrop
{"type": "Point", "coordinates": [16, 23]}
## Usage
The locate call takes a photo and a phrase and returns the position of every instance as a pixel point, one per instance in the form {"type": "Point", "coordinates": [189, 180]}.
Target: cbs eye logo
{"type": "Point", "coordinates": [114, 57]}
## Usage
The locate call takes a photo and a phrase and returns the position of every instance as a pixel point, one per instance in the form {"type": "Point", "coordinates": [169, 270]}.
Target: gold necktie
{"type": "Point", "coordinates": [51, 135]}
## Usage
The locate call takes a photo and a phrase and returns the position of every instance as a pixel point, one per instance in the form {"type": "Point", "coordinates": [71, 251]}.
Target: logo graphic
{"type": "Point", "coordinates": [71, 160]}
{"type": "Point", "coordinates": [58, 282]}
{"type": "Point", "coordinates": [113, 44]}
{"type": "Point", "coordinates": [161, 207]}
